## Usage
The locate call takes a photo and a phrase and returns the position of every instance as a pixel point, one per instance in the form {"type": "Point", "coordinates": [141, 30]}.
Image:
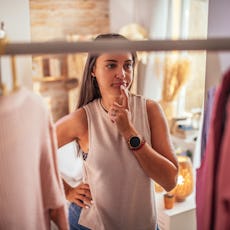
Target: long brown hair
{"type": "Point", "coordinates": [89, 87]}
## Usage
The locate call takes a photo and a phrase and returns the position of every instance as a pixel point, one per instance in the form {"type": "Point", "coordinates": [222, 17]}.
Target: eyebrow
{"type": "Point", "coordinates": [111, 60]}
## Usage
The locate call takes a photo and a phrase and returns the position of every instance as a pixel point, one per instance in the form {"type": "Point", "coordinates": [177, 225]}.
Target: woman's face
{"type": "Point", "coordinates": [113, 70]}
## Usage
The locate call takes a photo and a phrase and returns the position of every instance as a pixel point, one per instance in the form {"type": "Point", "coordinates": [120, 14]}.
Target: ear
{"type": "Point", "coordinates": [92, 73]}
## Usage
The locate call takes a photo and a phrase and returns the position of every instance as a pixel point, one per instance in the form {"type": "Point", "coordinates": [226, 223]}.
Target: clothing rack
{"type": "Point", "coordinates": [61, 47]}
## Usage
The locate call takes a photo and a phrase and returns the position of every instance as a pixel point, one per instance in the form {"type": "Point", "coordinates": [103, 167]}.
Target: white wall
{"type": "Point", "coordinates": [16, 17]}
{"type": "Point", "coordinates": [150, 84]}
{"type": "Point", "coordinates": [153, 16]}
{"type": "Point", "coordinates": [218, 26]}
{"type": "Point", "coordinates": [130, 11]}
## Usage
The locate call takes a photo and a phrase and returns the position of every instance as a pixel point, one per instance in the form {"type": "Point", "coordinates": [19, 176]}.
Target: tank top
{"type": "Point", "coordinates": [123, 194]}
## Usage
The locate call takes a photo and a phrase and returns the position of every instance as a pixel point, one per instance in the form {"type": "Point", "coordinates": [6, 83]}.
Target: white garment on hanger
{"type": "Point", "coordinates": [70, 163]}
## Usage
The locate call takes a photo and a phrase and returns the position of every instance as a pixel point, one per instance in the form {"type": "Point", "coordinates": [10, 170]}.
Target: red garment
{"type": "Point", "coordinates": [211, 210]}
{"type": "Point", "coordinates": [222, 216]}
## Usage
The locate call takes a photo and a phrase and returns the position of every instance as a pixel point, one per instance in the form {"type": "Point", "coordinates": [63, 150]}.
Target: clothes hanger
{"type": "Point", "coordinates": [3, 89]}
{"type": "Point", "coordinates": [15, 85]}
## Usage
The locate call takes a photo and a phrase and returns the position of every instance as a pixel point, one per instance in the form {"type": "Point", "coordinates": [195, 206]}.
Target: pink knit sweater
{"type": "Point", "coordinates": [30, 184]}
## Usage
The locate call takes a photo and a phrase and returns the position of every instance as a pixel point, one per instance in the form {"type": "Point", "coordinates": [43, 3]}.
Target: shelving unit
{"type": "Point", "coordinates": [49, 79]}
{"type": "Point", "coordinates": [47, 68]}
{"type": "Point", "coordinates": [182, 216]}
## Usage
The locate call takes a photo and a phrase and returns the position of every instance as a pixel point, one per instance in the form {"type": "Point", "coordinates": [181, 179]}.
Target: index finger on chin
{"type": "Point", "coordinates": [124, 97]}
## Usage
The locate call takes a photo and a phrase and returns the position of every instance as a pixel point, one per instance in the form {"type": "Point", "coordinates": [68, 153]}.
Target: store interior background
{"type": "Point", "coordinates": [57, 77]}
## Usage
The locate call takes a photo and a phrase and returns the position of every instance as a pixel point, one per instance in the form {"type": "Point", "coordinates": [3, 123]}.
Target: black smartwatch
{"type": "Point", "coordinates": [135, 142]}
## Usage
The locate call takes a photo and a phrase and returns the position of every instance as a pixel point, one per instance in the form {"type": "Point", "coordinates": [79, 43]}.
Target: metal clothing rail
{"type": "Point", "coordinates": [61, 47]}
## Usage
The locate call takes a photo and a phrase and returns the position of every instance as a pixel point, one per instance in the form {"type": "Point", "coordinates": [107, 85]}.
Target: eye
{"type": "Point", "coordinates": [111, 65]}
{"type": "Point", "coordinates": [128, 66]}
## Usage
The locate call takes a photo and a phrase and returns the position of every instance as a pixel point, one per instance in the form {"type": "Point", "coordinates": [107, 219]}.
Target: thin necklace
{"type": "Point", "coordinates": [103, 107]}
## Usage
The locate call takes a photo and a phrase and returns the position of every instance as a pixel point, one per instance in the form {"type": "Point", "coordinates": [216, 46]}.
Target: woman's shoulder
{"type": "Point", "coordinates": [153, 107]}
{"type": "Point", "coordinates": [91, 104]}
{"type": "Point", "coordinates": [155, 111]}
{"type": "Point", "coordinates": [73, 119]}
{"type": "Point", "coordinates": [78, 115]}
{"type": "Point", "coordinates": [92, 108]}
{"type": "Point", "coordinates": [149, 102]}
{"type": "Point", "coordinates": [71, 127]}
{"type": "Point", "coordinates": [137, 97]}
{"type": "Point", "coordinates": [81, 113]}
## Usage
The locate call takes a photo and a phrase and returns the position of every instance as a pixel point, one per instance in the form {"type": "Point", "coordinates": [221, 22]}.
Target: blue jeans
{"type": "Point", "coordinates": [74, 215]}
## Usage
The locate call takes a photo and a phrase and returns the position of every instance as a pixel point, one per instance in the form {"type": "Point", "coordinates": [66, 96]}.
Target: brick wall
{"type": "Point", "coordinates": [56, 20]}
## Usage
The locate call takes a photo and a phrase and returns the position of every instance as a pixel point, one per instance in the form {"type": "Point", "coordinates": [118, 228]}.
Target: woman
{"type": "Point", "coordinates": [126, 143]}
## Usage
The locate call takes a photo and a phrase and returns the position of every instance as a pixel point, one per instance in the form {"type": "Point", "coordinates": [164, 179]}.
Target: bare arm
{"type": "Point", "coordinates": [158, 159]}
{"type": "Point", "coordinates": [72, 127]}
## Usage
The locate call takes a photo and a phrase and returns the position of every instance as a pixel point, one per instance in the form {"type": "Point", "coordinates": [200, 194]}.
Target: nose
{"type": "Point", "coordinates": [121, 73]}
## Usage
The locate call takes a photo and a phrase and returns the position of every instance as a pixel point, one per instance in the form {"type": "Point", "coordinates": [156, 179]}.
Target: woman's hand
{"type": "Point", "coordinates": [80, 195]}
{"type": "Point", "coordinates": [119, 112]}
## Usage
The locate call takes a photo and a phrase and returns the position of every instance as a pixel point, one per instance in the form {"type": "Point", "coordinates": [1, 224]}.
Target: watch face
{"type": "Point", "coordinates": [135, 142]}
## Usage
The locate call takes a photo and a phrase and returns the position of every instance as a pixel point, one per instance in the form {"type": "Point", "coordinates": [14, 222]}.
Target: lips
{"type": "Point", "coordinates": [118, 84]}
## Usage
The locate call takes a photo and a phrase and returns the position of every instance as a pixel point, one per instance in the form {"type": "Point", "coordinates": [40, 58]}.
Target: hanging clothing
{"type": "Point", "coordinates": [212, 187]}
{"type": "Point", "coordinates": [206, 119]}
{"type": "Point", "coordinates": [123, 195]}
{"type": "Point", "coordinates": [30, 185]}
{"type": "Point", "coordinates": [70, 160]}
{"type": "Point", "coordinates": [223, 186]}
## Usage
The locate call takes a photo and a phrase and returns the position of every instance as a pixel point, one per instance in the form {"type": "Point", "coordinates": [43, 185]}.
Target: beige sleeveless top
{"type": "Point", "coordinates": [123, 195]}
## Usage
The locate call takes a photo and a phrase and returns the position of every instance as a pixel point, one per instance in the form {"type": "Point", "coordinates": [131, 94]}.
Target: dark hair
{"type": "Point", "coordinates": [89, 88]}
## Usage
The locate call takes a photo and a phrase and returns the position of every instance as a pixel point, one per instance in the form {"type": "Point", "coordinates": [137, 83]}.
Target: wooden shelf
{"type": "Point", "coordinates": [49, 79]}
